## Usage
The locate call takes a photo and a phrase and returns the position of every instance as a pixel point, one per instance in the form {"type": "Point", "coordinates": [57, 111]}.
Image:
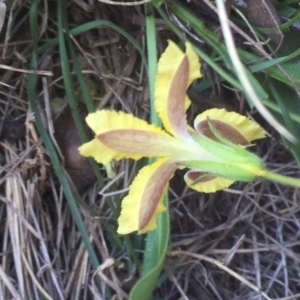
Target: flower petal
{"type": "Point", "coordinates": [194, 64]}
{"type": "Point", "coordinates": [204, 182]}
{"type": "Point", "coordinates": [121, 135]}
{"type": "Point", "coordinates": [232, 126]}
{"type": "Point", "coordinates": [145, 199]}
{"type": "Point", "coordinates": [98, 151]}
{"type": "Point", "coordinates": [176, 70]}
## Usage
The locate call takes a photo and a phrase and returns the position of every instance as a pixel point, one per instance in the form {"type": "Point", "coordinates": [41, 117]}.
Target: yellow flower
{"type": "Point", "coordinates": [214, 151]}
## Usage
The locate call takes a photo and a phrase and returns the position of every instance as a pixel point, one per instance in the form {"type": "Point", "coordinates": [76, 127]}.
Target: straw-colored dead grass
{"type": "Point", "coordinates": [252, 229]}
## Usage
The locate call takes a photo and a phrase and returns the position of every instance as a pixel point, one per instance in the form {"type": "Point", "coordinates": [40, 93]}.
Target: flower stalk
{"type": "Point", "coordinates": [282, 178]}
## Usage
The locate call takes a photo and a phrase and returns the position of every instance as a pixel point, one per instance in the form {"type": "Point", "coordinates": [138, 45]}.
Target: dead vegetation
{"type": "Point", "coordinates": [251, 229]}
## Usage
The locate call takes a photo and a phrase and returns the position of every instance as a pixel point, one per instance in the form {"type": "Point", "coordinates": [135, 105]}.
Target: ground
{"type": "Point", "coordinates": [59, 211]}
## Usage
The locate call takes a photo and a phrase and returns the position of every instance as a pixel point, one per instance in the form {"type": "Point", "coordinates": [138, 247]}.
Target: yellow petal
{"type": "Point", "coordinates": [98, 151]}
{"type": "Point", "coordinates": [204, 182]}
{"type": "Point", "coordinates": [194, 64]}
{"type": "Point", "coordinates": [145, 199]}
{"type": "Point", "coordinates": [232, 126]}
{"type": "Point", "coordinates": [176, 70]}
{"type": "Point", "coordinates": [187, 103]}
{"type": "Point", "coordinates": [121, 135]}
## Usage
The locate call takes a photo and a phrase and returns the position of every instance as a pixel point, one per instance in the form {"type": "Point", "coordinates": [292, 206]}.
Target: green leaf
{"type": "Point", "coordinates": [158, 2]}
{"type": "Point", "coordinates": [207, 35]}
{"type": "Point", "coordinates": [33, 102]}
{"type": "Point", "coordinates": [95, 24]}
{"type": "Point", "coordinates": [157, 240]}
{"type": "Point", "coordinates": [156, 248]}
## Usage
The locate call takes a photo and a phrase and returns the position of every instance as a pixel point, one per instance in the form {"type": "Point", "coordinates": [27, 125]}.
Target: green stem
{"type": "Point", "coordinates": [282, 179]}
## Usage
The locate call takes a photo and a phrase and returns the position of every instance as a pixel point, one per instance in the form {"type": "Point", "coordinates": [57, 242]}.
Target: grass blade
{"type": "Point", "coordinates": [157, 240]}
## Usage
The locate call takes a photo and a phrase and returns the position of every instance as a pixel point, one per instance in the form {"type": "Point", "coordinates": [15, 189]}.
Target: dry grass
{"type": "Point", "coordinates": [253, 229]}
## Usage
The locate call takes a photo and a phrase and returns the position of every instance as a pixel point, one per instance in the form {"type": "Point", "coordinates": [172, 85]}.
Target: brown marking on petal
{"type": "Point", "coordinates": [197, 177]}
{"type": "Point", "coordinates": [131, 140]}
{"type": "Point", "coordinates": [153, 192]}
{"type": "Point", "coordinates": [176, 103]}
{"type": "Point", "coordinates": [225, 130]}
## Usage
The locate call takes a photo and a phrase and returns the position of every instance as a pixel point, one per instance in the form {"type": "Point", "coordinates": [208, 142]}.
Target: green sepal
{"type": "Point", "coordinates": [228, 170]}
{"type": "Point", "coordinates": [231, 161]}
{"type": "Point", "coordinates": [228, 152]}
